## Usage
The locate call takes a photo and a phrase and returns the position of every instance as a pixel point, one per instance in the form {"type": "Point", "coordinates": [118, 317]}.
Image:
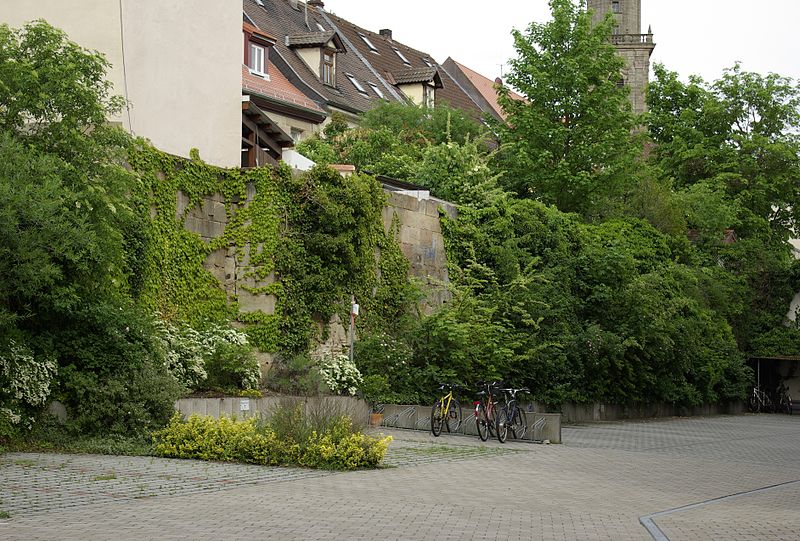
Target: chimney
{"type": "Point", "coordinates": [316, 3]}
{"type": "Point", "coordinates": [386, 32]}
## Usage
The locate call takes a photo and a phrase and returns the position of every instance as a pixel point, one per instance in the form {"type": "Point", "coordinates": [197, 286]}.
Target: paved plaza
{"type": "Point", "coordinates": [731, 477]}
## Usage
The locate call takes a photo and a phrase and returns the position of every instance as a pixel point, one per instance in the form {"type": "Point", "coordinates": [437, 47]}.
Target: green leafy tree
{"type": "Point", "coordinates": [569, 141]}
{"type": "Point", "coordinates": [64, 230]}
{"type": "Point", "coordinates": [741, 132]}
{"type": "Point", "coordinates": [732, 151]}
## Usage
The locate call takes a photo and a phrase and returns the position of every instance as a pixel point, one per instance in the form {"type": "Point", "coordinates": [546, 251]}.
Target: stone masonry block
{"type": "Point", "coordinates": [181, 203]}
{"type": "Point", "coordinates": [253, 303]}
{"type": "Point", "coordinates": [404, 201]}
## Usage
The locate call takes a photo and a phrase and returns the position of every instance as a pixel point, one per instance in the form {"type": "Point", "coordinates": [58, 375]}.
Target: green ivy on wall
{"type": "Point", "coordinates": [311, 240]}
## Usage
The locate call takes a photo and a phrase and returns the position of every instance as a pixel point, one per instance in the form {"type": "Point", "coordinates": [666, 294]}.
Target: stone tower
{"type": "Point", "coordinates": [631, 44]}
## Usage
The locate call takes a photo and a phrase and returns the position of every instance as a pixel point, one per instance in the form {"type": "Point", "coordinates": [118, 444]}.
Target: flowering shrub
{"type": "Point", "coordinates": [214, 357]}
{"type": "Point", "coordinates": [207, 438]}
{"type": "Point", "coordinates": [24, 385]}
{"type": "Point", "coordinates": [339, 374]}
{"type": "Point", "coordinates": [185, 353]}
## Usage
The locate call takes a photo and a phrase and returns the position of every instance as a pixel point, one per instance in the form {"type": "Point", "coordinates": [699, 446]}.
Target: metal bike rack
{"type": "Point", "coordinates": [538, 426]}
{"type": "Point", "coordinates": [394, 421]}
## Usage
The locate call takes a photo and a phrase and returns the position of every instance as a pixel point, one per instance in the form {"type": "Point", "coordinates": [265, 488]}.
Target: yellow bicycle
{"type": "Point", "coordinates": [446, 412]}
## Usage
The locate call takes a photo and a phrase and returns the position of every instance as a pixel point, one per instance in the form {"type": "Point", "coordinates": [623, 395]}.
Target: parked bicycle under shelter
{"type": "Point", "coordinates": [770, 372]}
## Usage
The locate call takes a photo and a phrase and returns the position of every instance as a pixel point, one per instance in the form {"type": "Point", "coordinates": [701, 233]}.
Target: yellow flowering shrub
{"type": "Point", "coordinates": [229, 440]}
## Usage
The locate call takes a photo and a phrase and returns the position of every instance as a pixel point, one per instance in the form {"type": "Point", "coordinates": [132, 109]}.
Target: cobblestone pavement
{"type": "Point", "coordinates": [701, 478]}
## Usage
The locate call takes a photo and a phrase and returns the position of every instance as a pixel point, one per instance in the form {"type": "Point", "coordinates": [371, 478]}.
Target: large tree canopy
{"type": "Point", "coordinates": [569, 142]}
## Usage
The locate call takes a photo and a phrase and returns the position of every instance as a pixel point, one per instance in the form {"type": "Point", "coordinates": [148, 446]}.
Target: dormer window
{"type": "Point", "coordinates": [256, 47]}
{"type": "Point", "coordinates": [402, 56]}
{"type": "Point", "coordinates": [329, 68]}
{"type": "Point", "coordinates": [256, 61]}
{"type": "Point", "coordinates": [318, 51]}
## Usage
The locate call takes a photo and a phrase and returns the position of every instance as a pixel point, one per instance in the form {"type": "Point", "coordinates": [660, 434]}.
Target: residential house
{"type": "Point", "coordinates": [414, 74]}
{"type": "Point", "coordinates": [175, 63]}
{"type": "Point", "coordinates": [311, 55]}
{"type": "Point", "coordinates": [274, 111]}
{"type": "Point", "coordinates": [339, 66]}
{"type": "Point", "coordinates": [482, 90]}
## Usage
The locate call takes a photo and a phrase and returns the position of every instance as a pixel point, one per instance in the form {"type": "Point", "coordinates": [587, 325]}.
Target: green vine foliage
{"type": "Point", "coordinates": [312, 240]}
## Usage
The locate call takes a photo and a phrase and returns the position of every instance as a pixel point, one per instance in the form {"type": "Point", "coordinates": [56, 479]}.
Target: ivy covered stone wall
{"type": "Point", "coordinates": [282, 253]}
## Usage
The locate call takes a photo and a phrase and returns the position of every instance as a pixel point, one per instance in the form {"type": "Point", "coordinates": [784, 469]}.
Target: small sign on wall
{"type": "Point", "coordinates": [244, 404]}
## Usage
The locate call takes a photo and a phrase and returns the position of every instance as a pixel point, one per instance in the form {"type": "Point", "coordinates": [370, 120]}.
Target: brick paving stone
{"type": "Point", "coordinates": [595, 486]}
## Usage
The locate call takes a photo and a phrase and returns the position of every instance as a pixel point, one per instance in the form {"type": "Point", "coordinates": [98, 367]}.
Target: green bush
{"type": "Point", "coordinates": [113, 377]}
{"type": "Point", "coordinates": [249, 441]}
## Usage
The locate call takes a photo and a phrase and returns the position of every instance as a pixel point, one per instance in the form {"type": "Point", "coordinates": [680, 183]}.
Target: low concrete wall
{"type": "Point", "coordinates": [244, 408]}
{"type": "Point", "coordinates": [588, 413]}
{"type": "Point", "coordinates": [542, 426]}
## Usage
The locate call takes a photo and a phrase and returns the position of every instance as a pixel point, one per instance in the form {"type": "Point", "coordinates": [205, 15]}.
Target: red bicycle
{"type": "Point", "coordinates": [485, 409]}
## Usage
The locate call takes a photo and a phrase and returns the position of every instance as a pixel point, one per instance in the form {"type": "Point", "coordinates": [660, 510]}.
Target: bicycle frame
{"type": "Point", "coordinates": [449, 398]}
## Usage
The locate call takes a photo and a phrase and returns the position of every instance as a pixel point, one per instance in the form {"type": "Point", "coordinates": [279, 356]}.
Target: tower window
{"type": "Point", "coordinates": [615, 6]}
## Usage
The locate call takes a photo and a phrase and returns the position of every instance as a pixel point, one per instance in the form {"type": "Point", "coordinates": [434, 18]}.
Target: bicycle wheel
{"type": "Point", "coordinates": [519, 424]}
{"type": "Point", "coordinates": [437, 419]}
{"type": "Point", "coordinates": [482, 422]}
{"type": "Point", "coordinates": [753, 404]}
{"type": "Point", "coordinates": [453, 418]}
{"type": "Point", "coordinates": [501, 424]}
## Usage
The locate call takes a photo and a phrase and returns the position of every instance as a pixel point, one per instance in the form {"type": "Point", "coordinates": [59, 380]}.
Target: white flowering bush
{"type": "Point", "coordinates": [24, 385]}
{"type": "Point", "coordinates": [214, 357]}
{"type": "Point", "coordinates": [339, 374]}
{"type": "Point", "coordinates": [185, 353]}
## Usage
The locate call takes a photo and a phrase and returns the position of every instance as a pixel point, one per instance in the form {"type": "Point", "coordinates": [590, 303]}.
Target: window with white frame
{"type": "Point", "coordinates": [366, 40]}
{"type": "Point", "coordinates": [257, 60]}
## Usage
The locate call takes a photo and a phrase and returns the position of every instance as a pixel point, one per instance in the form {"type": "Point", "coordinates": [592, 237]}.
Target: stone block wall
{"type": "Point", "coordinates": [419, 235]}
{"type": "Point", "coordinates": [421, 241]}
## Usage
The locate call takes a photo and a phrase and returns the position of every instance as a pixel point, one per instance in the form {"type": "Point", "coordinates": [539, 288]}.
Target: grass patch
{"type": "Point", "coordinates": [25, 463]}
{"type": "Point", "coordinates": [4, 514]}
{"type": "Point", "coordinates": [107, 477]}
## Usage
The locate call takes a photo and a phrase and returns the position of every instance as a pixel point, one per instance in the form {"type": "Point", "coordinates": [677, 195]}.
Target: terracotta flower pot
{"type": "Point", "coordinates": [375, 419]}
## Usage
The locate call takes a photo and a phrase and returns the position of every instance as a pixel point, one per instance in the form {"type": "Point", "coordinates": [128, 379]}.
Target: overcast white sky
{"type": "Point", "coordinates": [693, 36]}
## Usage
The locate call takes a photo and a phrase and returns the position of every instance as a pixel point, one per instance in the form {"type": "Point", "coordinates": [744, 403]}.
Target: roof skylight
{"type": "Point", "coordinates": [402, 56]}
{"type": "Point", "coordinates": [356, 83]}
{"type": "Point", "coordinates": [377, 90]}
{"type": "Point", "coordinates": [369, 43]}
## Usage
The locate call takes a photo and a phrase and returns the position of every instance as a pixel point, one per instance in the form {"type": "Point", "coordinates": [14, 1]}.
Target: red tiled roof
{"type": "Point", "coordinates": [486, 87]}
{"type": "Point", "coordinates": [278, 87]}
{"type": "Point", "coordinates": [253, 30]}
